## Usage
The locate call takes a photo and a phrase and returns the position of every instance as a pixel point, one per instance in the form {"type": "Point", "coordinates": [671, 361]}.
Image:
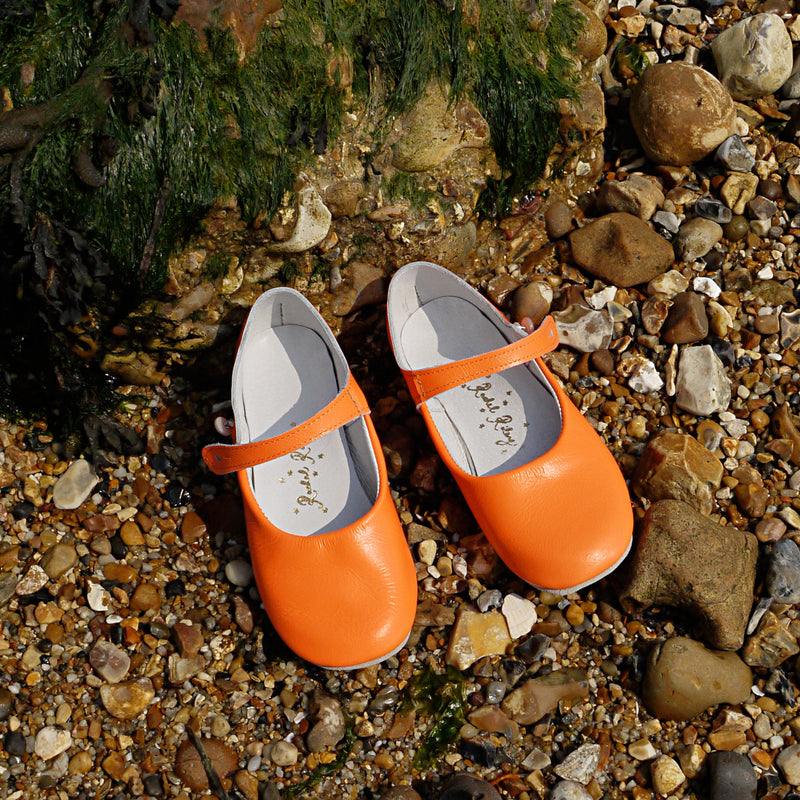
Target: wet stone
{"type": "Point", "coordinates": [110, 662]}
{"type": "Point", "coordinates": [676, 466]}
{"type": "Point", "coordinates": [732, 777]}
{"type": "Point", "coordinates": [192, 527]}
{"type": "Point", "coordinates": [482, 751]}
{"type": "Point", "coordinates": [14, 743]}
{"type": "Point", "coordinates": [783, 573]}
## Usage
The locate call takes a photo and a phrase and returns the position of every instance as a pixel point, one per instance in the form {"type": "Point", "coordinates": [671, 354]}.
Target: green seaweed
{"type": "Point", "coordinates": [629, 54]}
{"type": "Point", "coordinates": [441, 695]}
{"type": "Point", "coordinates": [405, 185]}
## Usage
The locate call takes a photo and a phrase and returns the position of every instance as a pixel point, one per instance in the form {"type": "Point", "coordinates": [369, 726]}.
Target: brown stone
{"type": "Point", "coordinates": [192, 527]}
{"type": "Point", "coordinates": [770, 645]}
{"type": "Point", "coordinates": [242, 614]}
{"type": "Point", "coordinates": [676, 466]}
{"type": "Point", "coordinates": [683, 678]}
{"type": "Point", "coordinates": [131, 534]}
{"type": "Point", "coordinates": [146, 598]}
{"type": "Point", "coordinates": [127, 700]}
{"type": "Point", "coordinates": [784, 427]}
{"type": "Point", "coordinates": [476, 635]}
{"type": "Point", "coordinates": [593, 36]}
{"type": "Point", "coordinates": [557, 219]}
{"type": "Point", "coordinates": [654, 312]}
{"type": "Point", "coordinates": [189, 766]}
{"type": "Point", "coordinates": [752, 499]}
{"type": "Point", "coordinates": [99, 523]}
{"type": "Point", "coordinates": [188, 638]}
{"type": "Point", "coordinates": [685, 560]}
{"type": "Point", "coordinates": [363, 285]}
{"type": "Point", "coordinates": [640, 195]}
{"type": "Point", "coordinates": [687, 321]}
{"type": "Point", "coordinates": [680, 113]}
{"type": "Point", "coordinates": [587, 114]}
{"type": "Point", "coordinates": [621, 249]}
{"type": "Point", "coordinates": [539, 696]}
{"type": "Point", "coordinates": [500, 287]}
{"type": "Point", "coordinates": [114, 765]}
{"type": "Point", "coordinates": [531, 301]}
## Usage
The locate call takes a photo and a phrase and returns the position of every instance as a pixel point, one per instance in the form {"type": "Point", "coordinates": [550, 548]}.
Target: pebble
{"type": "Point", "coordinates": [110, 662]}
{"type": "Point", "coordinates": [51, 742]}
{"type": "Point", "coordinates": [476, 635]}
{"type": "Point", "coordinates": [189, 768]}
{"type": "Point", "coordinates": [584, 329]}
{"type": "Point", "coordinates": [541, 695]}
{"type": "Point", "coordinates": [770, 645]}
{"type": "Point", "coordinates": [580, 765]}
{"type": "Point", "coordinates": [283, 754]}
{"type": "Point", "coordinates": [328, 722]}
{"type": "Point", "coordinates": [569, 790]}
{"type": "Point", "coordinates": [58, 560]}
{"type": "Point", "coordinates": [74, 485]}
{"type": "Point", "coordinates": [753, 56]}
{"type": "Point", "coordinates": [145, 598]}
{"type": "Point", "coordinates": [520, 615]}
{"type": "Point", "coordinates": [683, 678]}
{"type": "Point", "coordinates": [557, 219]}
{"type": "Point", "coordinates": [33, 580]}
{"type": "Point", "coordinates": [463, 785]}
{"type": "Point", "coordinates": [686, 321]}
{"type": "Point", "coordinates": [783, 572]}
{"type": "Point", "coordinates": [696, 237]}
{"type": "Point", "coordinates": [239, 572]}
{"type": "Point", "coordinates": [788, 761]}
{"type": "Point", "coordinates": [667, 775]}
{"type": "Point", "coordinates": [128, 699]}
{"type": "Point", "coordinates": [703, 386]}
{"type": "Point", "coordinates": [734, 155]}
{"type": "Point", "coordinates": [731, 777]}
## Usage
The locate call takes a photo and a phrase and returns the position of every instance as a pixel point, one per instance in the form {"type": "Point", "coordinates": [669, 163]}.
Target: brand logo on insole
{"type": "Point", "coordinates": [502, 424]}
{"type": "Point", "coordinates": [304, 475]}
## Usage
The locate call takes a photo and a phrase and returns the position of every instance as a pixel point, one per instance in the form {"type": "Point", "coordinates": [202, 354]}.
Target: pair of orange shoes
{"type": "Point", "coordinates": [328, 551]}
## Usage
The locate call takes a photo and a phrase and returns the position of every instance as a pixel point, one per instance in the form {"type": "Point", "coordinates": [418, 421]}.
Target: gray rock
{"type": "Point", "coordinates": [695, 238]}
{"type": "Point", "coordinates": [754, 56]}
{"type": "Point", "coordinates": [734, 155]}
{"type": "Point", "coordinates": [584, 329]}
{"type": "Point", "coordinates": [667, 220]}
{"type": "Point", "coordinates": [686, 560]}
{"type": "Point", "coordinates": [783, 574]}
{"type": "Point", "coordinates": [788, 761]}
{"type": "Point", "coordinates": [711, 208]}
{"type": "Point", "coordinates": [74, 485]}
{"type": "Point", "coordinates": [569, 790]}
{"type": "Point", "coordinates": [328, 723]}
{"type": "Point", "coordinates": [732, 777]}
{"type": "Point", "coordinates": [683, 678]}
{"type": "Point", "coordinates": [703, 387]}
{"type": "Point", "coordinates": [580, 765]}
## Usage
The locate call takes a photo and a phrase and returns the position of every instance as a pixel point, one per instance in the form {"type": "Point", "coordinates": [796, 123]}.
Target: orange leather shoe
{"type": "Point", "coordinates": [541, 483]}
{"type": "Point", "coordinates": [329, 555]}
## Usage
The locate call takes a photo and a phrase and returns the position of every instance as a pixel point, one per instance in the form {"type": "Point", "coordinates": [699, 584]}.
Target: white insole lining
{"type": "Point", "coordinates": [489, 425]}
{"type": "Point", "coordinates": [285, 375]}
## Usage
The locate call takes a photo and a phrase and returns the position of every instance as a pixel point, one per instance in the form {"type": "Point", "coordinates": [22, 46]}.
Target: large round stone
{"type": "Point", "coordinates": [680, 113]}
{"type": "Point", "coordinates": [754, 56]}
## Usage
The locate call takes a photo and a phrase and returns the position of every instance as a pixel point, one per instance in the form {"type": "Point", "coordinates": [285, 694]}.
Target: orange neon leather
{"type": "Point", "coordinates": [345, 407]}
{"type": "Point", "coordinates": [560, 520]}
{"type": "Point", "coordinates": [311, 585]}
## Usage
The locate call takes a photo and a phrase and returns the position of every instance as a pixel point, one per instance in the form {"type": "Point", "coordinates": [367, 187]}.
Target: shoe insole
{"type": "Point", "coordinates": [286, 376]}
{"type": "Point", "coordinates": [492, 424]}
